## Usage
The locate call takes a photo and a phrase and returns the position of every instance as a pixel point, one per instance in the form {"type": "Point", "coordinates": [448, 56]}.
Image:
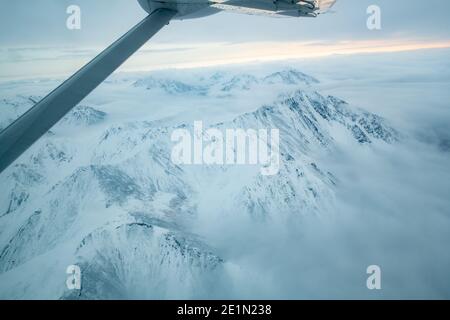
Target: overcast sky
{"type": "Point", "coordinates": [223, 38]}
{"type": "Point", "coordinates": [42, 22]}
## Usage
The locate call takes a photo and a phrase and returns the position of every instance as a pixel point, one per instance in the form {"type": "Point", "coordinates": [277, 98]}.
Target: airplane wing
{"type": "Point", "coordinates": [22, 133]}
{"type": "Point", "coordinates": [280, 8]}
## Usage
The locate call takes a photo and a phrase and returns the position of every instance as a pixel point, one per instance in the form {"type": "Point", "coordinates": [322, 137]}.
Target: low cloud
{"type": "Point", "coordinates": [392, 203]}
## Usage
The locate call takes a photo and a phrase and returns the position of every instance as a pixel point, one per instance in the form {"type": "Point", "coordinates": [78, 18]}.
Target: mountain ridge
{"type": "Point", "coordinates": [126, 168]}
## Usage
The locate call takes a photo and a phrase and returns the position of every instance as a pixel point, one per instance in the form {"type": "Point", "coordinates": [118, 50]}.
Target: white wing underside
{"type": "Point", "coordinates": [250, 11]}
{"type": "Point", "coordinates": [306, 8]}
{"type": "Point", "coordinates": [325, 5]}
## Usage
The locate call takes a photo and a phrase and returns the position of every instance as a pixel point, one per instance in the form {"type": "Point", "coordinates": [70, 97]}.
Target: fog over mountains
{"type": "Point", "coordinates": [100, 191]}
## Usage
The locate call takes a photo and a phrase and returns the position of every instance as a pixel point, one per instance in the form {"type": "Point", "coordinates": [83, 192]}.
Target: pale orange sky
{"type": "Point", "coordinates": [228, 53]}
{"type": "Point", "coordinates": [45, 62]}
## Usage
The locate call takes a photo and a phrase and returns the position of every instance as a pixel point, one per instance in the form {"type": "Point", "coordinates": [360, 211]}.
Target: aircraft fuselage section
{"type": "Point", "coordinates": [186, 9]}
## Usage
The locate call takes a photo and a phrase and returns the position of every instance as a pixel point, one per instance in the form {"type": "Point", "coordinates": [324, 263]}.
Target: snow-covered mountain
{"type": "Point", "coordinates": [100, 190]}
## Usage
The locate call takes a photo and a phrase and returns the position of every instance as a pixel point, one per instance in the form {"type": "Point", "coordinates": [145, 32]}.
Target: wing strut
{"type": "Point", "coordinates": [32, 125]}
